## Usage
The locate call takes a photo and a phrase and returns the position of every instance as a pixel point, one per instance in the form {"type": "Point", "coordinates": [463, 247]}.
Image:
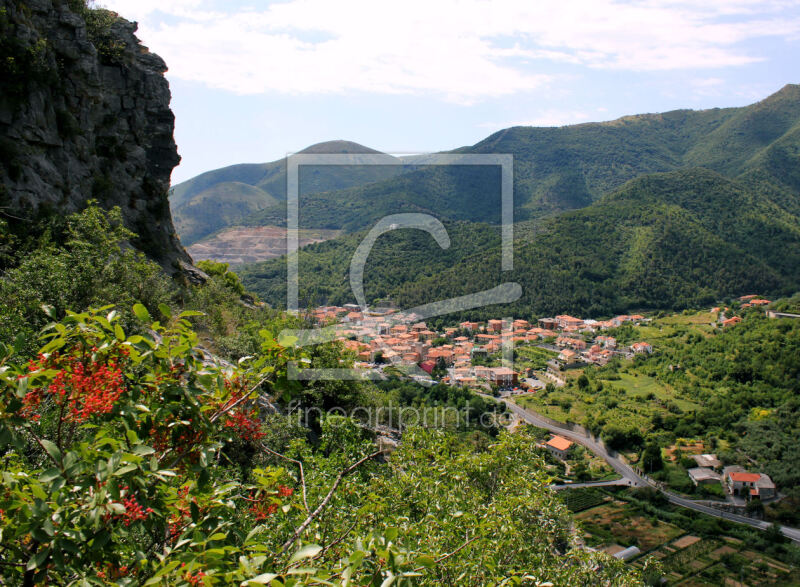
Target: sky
{"type": "Point", "coordinates": [253, 81]}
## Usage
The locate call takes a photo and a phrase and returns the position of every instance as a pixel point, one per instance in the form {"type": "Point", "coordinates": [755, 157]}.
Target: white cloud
{"type": "Point", "coordinates": [461, 50]}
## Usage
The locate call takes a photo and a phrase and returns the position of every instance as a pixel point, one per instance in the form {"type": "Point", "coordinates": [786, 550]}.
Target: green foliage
{"type": "Point", "coordinates": [99, 27]}
{"type": "Point", "coordinates": [88, 267]}
{"type": "Point", "coordinates": [743, 377]}
{"type": "Point", "coordinates": [674, 240]}
{"type": "Point", "coordinates": [456, 408]}
{"type": "Point", "coordinates": [651, 460]}
{"type": "Point", "coordinates": [116, 453]}
{"type": "Point", "coordinates": [221, 270]}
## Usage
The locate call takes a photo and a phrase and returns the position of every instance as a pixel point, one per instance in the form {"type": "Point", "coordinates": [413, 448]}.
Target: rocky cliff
{"type": "Point", "coordinates": [84, 114]}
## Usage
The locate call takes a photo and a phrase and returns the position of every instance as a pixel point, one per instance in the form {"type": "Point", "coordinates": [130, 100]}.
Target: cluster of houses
{"type": "Point", "coordinates": [402, 339]}
{"type": "Point", "coordinates": [734, 479]}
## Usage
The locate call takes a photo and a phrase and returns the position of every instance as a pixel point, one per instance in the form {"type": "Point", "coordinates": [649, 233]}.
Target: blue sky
{"type": "Point", "coordinates": [253, 81]}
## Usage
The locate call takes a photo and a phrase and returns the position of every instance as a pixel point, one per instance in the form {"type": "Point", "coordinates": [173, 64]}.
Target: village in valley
{"type": "Point", "coordinates": [528, 363]}
{"type": "Point", "coordinates": [387, 337]}
{"type": "Point", "coordinates": [480, 355]}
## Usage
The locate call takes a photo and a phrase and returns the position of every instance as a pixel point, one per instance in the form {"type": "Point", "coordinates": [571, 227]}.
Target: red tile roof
{"type": "Point", "coordinates": [559, 443]}
{"type": "Point", "coordinates": [744, 477]}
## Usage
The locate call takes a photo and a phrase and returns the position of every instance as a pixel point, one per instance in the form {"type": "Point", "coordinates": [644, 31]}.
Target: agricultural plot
{"type": "Point", "coordinates": [691, 560]}
{"type": "Point", "coordinates": [578, 500]}
{"type": "Point", "coordinates": [615, 522]}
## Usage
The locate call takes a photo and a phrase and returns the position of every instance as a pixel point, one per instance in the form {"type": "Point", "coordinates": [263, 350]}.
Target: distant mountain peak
{"type": "Point", "coordinates": [339, 147]}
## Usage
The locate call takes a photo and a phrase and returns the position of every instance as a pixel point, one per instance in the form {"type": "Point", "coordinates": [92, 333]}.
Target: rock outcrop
{"type": "Point", "coordinates": [84, 114]}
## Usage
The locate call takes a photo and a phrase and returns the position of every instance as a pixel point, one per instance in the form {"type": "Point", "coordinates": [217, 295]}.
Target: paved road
{"type": "Point", "coordinates": [623, 482]}
{"type": "Point", "coordinates": [633, 478]}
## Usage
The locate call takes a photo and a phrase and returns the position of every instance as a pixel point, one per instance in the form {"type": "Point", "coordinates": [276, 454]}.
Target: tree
{"type": "Point", "coordinates": [651, 458]}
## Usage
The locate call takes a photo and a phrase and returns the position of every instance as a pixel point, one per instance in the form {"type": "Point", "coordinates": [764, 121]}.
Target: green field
{"type": "Point", "coordinates": [635, 385]}
{"type": "Point", "coordinates": [532, 357]}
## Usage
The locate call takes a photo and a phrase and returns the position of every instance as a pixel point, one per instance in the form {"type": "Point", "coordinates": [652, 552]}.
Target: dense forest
{"type": "Point", "coordinates": [675, 240]}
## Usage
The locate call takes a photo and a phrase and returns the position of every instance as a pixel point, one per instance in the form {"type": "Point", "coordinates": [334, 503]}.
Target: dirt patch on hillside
{"type": "Point", "coordinates": [251, 244]}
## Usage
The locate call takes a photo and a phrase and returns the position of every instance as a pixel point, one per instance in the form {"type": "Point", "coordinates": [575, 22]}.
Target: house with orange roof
{"type": "Point", "coordinates": [731, 321]}
{"type": "Point", "coordinates": [493, 346]}
{"type": "Point", "coordinates": [568, 357]}
{"type": "Point", "coordinates": [749, 485]}
{"type": "Point", "coordinates": [494, 326]}
{"type": "Point", "coordinates": [639, 348]}
{"type": "Point", "coordinates": [559, 446]}
{"type": "Point", "coordinates": [565, 320]}
{"type": "Point", "coordinates": [575, 343]}
{"type": "Point", "coordinates": [607, 342]}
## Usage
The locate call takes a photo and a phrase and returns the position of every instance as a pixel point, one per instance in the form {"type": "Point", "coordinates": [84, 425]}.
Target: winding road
{"type": "Point", "coordinates": [630, 476]}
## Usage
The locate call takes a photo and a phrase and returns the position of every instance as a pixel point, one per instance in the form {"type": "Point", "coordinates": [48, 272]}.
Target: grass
{"type": "Point", "coordinates": [533, 357]}
{"type": "Point", "coordinates": [640, 385]}
{"type": "Point", "coordinates": [690, 319]}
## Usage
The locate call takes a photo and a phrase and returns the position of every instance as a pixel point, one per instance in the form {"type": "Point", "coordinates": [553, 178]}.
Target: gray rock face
{"type": "Point", "coordinates": [84, 114]}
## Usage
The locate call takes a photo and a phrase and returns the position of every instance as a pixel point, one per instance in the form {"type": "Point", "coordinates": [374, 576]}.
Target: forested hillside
{"type": "Point", "coordinates": [231, 195]}
{"type": "Point", "coordinates": [674, 240]}
{"type": "Point", "coordinates": [557, 169]}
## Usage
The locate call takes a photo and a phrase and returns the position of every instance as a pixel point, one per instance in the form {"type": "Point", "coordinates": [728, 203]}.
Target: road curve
{"type": "Point", "coordinates": [632, 476]}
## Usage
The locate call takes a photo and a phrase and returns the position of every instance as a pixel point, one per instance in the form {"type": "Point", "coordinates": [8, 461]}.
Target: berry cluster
{"type": "Point", "coordinates": [178, 520]}
{"type": "Point", "coordinates": [244, 418]}
{"type": "Point", "coordinates": [85, 384]}
{"type": "Point", "coordinates": [193, 578]}
{"type": "Point", "coordinates": [263, 504]}
{"type": "Point", "coordinates": [110, 572]}
{"type": "Point", "coordinates": [246, 424]}
{"type": "Point", "coordinates": [134, 512]}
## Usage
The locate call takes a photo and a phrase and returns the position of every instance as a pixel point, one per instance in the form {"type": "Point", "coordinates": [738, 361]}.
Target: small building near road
{"type": "Point", "coordinates": [765, 488]}
{"type": "Point", "coordinates": [503, 376]}
{"type": "Point", "coordinates": [559, 446]}
{"type": "Point", "coordinates": [703, 476]}
{"type": "Point", "coordinates": [709, 461]}
{"type": "Point", "coordinates": [749, 485]}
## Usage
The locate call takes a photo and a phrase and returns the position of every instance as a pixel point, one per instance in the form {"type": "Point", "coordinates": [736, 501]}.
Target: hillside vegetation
{"type": "Point", "coordinates": [135, 454]}
{"type": "Point", "coordinates": [229, 196]}
{"type": "Point", "coordinates": [674, 240]}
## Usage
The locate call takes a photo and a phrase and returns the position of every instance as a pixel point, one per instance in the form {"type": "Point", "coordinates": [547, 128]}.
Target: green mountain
{"type": "Point", "coordinates": [670, 240]}
{"type": "Point", "coordinates": [225, 197]}
{"type": "Point", "coordinates": [219, 206]}
{"type": "Point", "coordinates": [673, 210]}
{"type": "Point", "coordinates": [558, 169]}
